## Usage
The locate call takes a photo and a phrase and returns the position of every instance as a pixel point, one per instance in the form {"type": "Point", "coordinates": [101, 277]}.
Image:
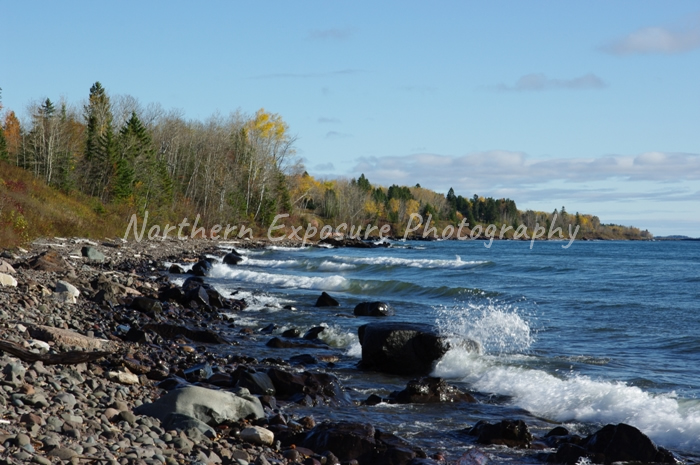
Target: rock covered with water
{"type": "Point", "coordinates": [373, 309]}
{"type": "Point", "coordinates": [511, 433]}
{"type": "Point", "coordinates": [429, 390]}
{"type": "Point", "coordinates": [401, 348]}
{"type": "Point", "coordinates": [325, 300]}
{"type": "Point", "coordinates": [612, 443]}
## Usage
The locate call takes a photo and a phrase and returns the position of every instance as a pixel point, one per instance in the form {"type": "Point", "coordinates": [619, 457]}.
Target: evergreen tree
{"type": "Point", "coordinates": [99, 143]}
{"type": "Point", "coordinates": [4, 154]}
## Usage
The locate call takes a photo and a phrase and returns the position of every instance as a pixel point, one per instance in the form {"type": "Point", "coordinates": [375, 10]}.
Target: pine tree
{"type": "Point", "coordinates": [99, 144]}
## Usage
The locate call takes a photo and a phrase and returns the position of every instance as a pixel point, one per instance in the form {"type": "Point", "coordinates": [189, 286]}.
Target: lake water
{"type": "Point", "coordinates": [601, 332]}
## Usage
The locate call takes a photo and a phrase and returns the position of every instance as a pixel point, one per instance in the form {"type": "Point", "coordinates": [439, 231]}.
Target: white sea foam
{"type": "Point", "coordinates": [328, 265]}
{"type": "Point", "coordinates": [355, 350]}
{"type": "Point", "coordinates": [335, 283]}
{"type": "Point", "coordinates": [287, 249]}
{"type": "Point", "coordinates": [335, 336]}
{"type": "Point", "coordinates": [498, 328]}
{"type": "Point", "coordinates": [573, 397]}
{"type": "Point", "coordinates": [270, 263]}
{"type": "Point", "coordinates": [414, 263]}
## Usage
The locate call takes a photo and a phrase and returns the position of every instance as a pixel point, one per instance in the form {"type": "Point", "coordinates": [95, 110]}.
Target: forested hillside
{"type": "Point", "coordinates": [85, 169]}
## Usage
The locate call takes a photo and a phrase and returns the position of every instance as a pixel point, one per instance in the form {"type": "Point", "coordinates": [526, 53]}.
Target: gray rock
{"type": "Point", "coordinates": [66, 399]}
{"type": "Point", "coordinates": [258, 435]}
{"type": "Point", "coordinates": [93, 254]}
{"type": "Point", "coordinates": [6, 267]}
{"type": "Point", "coordinates": [207, 405]}
{"type": "Point", "coordinates": [7, 281]}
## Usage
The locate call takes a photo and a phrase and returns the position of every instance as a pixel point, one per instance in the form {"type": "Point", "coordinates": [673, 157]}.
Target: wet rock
{"type": "Point", "coordinates": [318, 386]}
{"type": "Point", "coordinates": [291, 333]}
{"type": "Point", "coordinates": [7, 281]}
{"type": "Point", "coordinates": [372, 309]}
{"type": "Point", "coordinates": [325, 300]}
{"type": "Point", "coordinates": [207, 405]}
{"type": "Point", "coordinates": [202, 268]}
{"type": "Point", "coordinates": [232, 258]}
{"type": "Point", "coordinates": [360, 442]}
{"type": "Point", "coordinates": [616, 443]}
{"type": "Point", "coordinates": [401, 348]}
{"type": "Point", "coordinates": [176, 269]}
{"type": "Point", "coordinates": [430, 390]}
{"type": "Point", "coordinates": [511, 433]}
{"type": "Point", "coordinates": [313, 333]}
{"type": "Point", "coordinates": [257, 382]}
{"type": "Point", "coordinates": [92, 254]}
{"type": "Point", "coordinates": [258, 435]}
{"type": "Point", "coordinates": [347, 242]}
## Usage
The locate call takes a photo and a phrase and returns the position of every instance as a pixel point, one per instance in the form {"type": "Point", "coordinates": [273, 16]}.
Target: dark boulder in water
{"type": "Point", "coordinates": [373, 309]}
{"type": "Point", "coordinates": [202, 268]}
{"type": "Point", "coordinates": [511, 433]}
{"type": "Point", "coordinates": [614, 443]}
{"type": "Point", "coordinates": [175, 269]}
{"type": "Point", "coordinates": [428, 390]}
{"type": "Point", "coordinates": [232, 258]}
{"type": "Point", "coordinates": [325, 300]}
{"type": "Point", "coordinates": [348, 242]}
{"type": "Point", "coordinates": [401, 348]}
{"type": "Point", "coordinates": [308, 387]}
{"type": "Point", "coordinates": [360, 442]}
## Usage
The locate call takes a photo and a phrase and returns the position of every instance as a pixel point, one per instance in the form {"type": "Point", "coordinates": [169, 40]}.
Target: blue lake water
{"type": "Point", "coordinates": [601, 332]}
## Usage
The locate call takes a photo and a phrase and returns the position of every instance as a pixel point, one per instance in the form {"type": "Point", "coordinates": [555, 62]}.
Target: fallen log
{"type": "Point", "coordinates": [72, 357]}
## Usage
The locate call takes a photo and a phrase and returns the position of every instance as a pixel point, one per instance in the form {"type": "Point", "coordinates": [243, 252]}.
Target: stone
{"type": "Point", "coordinates": [65, 398]}
{"type": "Point", "coordinates": [372, 309]}
{"type": "Point", "coordinates": [62, 453]}
{"type": "Point", "coordinates": [146, 305]}
{"type": "Point", "coordinates": [202, 268]}
{"type": "Point", "coordinates": [233, 258]}
{"type": "Point", "coordinates": [6, 267]}
{"type": "Point", "coordinates": [69, 338]}
{"type": "Point", "coordinates": [325, 300]}
{"type": "Point", "coordinates": [258, 435]}
{"type": "Point", "coordinates": [92, 254]}
{"type": "Point", "coordinates": [123, 377]}
{"type": "Point", "coordinates": [50, 260]}
{"type": "Point", "coordinates": [207, 405]}
{"type": "Point", "coordinates": [170, 331]}
{"type": "Point", "coordinates": [624, 443]}
{"type": "Point", "coordinates": [7, 281]}
{"type": "Point", "coordinates": [511, 433]}
{"type": "Point", "coordinates": [401, 348]}
{"type": "Point", "coordinates": [427, 390]}
{"type": "Point", "coordinates": [361, 442]}
{"type": "Point", "coordinates": [318, 386]}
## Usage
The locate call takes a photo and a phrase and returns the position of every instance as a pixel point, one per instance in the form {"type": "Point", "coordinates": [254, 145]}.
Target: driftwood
{"type": "Point", "coordinates": [72, 357]}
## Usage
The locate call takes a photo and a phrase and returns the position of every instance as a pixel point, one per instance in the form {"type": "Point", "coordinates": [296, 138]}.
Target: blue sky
{"type": "Point", "coordinates": [591, 105]}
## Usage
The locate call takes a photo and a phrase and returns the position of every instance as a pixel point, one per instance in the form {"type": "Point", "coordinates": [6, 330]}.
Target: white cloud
{"type": "Point", "coordinates": [657, 39]}
{"type": "Point", "coordinates": [507, 169]}
{"type": "Point", "coordinates": [539, 82]}
{"type": "Point", "coordinates": [325, 120]}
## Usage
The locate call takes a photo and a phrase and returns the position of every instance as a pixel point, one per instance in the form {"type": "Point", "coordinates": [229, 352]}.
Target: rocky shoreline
{"type": "Point", "coordinates": [104, 360]}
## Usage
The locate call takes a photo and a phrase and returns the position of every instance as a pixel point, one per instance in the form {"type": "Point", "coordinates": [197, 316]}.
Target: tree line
{"type": "Point", "coordinates": [128, 158]}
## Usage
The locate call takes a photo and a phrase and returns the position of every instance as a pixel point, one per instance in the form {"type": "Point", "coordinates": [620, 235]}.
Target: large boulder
{"type": "Point", "coordinates": [614, 443]}
{"type": "Point", "coordinates": [206, 405]}
{"type": "Point", "coordinates": [372, 309]}
{"type": "Point", "coordinates": [361, 442]}
{"type": "Point", "coordinates": [7, 281]}
{"type": "Point", "coordinates": [401, 348]}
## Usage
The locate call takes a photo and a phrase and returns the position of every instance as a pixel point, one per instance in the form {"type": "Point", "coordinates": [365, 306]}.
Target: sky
{"type": "Point", "coordinates": [594, 105]}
